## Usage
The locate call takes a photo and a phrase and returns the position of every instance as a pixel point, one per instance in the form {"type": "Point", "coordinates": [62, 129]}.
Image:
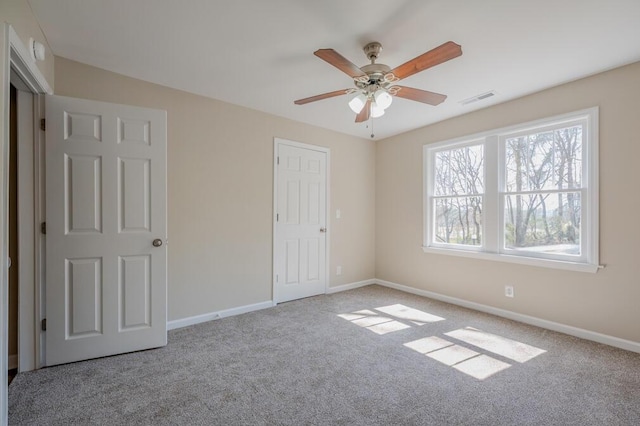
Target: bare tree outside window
{"type": "Point", "coordinates": [542, 200]}
{"type": "Point", "coordinates": [459, 186]}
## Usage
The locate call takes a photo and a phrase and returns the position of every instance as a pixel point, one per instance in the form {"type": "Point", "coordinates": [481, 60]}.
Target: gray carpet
{"type": "Point", "coordinates": [302, 364]}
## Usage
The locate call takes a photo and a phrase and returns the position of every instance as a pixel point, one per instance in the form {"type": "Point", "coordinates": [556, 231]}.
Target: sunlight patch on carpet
{"type": "Point", "coordinates": [469, 361]}
{"type": "Point", "coordinates": [374, 322]}
{"type": "Point", "coordinates": [396, 317]}
{"type": "Point", "coordinates": [369, 321]}
{"type": "Point", "coordinates": [428, 344]}
{"type": "Point", "coordinates": [481, 367]}
{"type": "Point", "coordinates": [465, 360]}
{"type": "Point", "coordinates": [388, 327]}
{"type": "Point", "coordinates": [452, 355]}
{"type": "Point", "coordinates": [415, 316]}
{"type": "Point", "coordinates": [512, 349]}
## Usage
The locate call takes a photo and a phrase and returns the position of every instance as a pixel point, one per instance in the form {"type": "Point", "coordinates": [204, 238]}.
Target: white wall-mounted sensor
{"type": "Point", "coordinates": [37, 50]}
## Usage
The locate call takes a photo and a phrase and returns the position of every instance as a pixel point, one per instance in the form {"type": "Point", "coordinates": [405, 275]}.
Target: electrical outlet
{"type": "Point", "coordinates": [508, 291]}
{"type": "Point", "coordinates": [338, 270]}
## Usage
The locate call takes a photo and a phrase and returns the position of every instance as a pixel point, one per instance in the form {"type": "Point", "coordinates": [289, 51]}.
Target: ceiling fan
{"type": "Point", "coordinates": [375, 83]}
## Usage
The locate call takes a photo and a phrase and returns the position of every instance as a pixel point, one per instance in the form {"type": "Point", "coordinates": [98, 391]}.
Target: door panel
{"type": "Point", "coordinates": [300, 240]}
{"type": "Point", "coordinates": [106, 283]}
{"type": "Point", "coordinates": [83, 279]}
{"type": "Point", "coordinates": [83, 194]}
{"type": "Point", "coordinates": [134, 195]}
{"type": "Point", "coordinates": [135, 292]}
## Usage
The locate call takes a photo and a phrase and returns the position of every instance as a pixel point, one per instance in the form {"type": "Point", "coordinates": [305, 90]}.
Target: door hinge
{"type": "Point", "coordinates": [276, 277]}
{"type": "Point", "coordinates": [277, 217]}
{"type": "Point", "coordinates": [278, 160]}
{"type": "Point", "coordinates": [43, 325]}
{"type": "Point", "coordinates": [43, 228]}
{"type": "Point", "coordinates": [43, 124]}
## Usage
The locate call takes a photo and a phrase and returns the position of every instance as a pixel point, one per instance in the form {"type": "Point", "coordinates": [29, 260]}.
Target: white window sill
{"type": "Point", "coordinates": [531, 261]}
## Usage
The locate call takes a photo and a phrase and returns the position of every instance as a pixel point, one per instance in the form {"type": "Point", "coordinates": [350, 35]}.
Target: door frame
{"type": "Point", "coordinates": [17, 61]}
{"type": "Point", "coordinates": [276, 144]}
{"type": "Point", "coordinates": [30, 240]}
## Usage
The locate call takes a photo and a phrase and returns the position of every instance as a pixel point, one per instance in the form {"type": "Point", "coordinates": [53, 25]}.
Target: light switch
{"type": "Point", "coordinates": [338, 214]}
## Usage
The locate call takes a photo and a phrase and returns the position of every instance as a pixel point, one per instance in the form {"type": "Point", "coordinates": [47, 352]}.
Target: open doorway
{"type": "Point", "coordinates": [13, 235]}
{"type": "Point", "coordinates": [21, 221]}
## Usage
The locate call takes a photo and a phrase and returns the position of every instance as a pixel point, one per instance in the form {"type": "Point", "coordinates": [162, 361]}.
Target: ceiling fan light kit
{"type": "Point", "coordinates": [381, 101]}
{"type": "Point", "coordinates": [383, 98]}
{"type": "Point", "coordinates": [375, 83]}
{"type": "Point", "coordinates": [357, 103]}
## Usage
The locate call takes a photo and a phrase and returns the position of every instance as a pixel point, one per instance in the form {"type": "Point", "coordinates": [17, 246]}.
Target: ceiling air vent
{"type": "Point", "coordinates": [478, 97]}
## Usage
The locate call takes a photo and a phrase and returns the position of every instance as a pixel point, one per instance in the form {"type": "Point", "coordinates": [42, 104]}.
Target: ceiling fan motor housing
{"type": "Point", "coordinates": [376, 73]}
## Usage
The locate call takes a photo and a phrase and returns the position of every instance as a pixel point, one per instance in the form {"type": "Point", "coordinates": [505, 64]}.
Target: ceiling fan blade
{"type": "Point", "coordinates": [340, 62]}
{"type": "Point", "coordinates": [363, 115]}
{"type": "Point", "coordinates": [321, 97]}
{"type": "Point", "coordinates": [418, 95]}
{"type": "Point", "coordinates": [440, 54]}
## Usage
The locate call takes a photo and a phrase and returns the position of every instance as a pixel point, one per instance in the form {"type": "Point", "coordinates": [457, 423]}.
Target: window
{"type": "Point", "coordinates": [458, 195]}
{"type": "Point", "coordinates": [524, 194]}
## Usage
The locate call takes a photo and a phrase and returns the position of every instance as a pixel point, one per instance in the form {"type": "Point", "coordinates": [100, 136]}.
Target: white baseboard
{"type": "Point", "coordinates": [197, 319]}
{"type": "Point", "coordinates": [13, 361]}
{"type": "Point", "coordinates": [350, 286]}
{"type": "Point", "coordinates": [538, 322]}
{"type": "Point", "coordinates": [185, 322]}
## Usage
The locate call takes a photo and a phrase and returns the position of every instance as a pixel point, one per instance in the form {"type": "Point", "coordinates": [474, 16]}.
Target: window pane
{"type": "Point", "coordinates": [459, 171]}
{"type": "Point", "coordinates": [458, 220]}
{"type": "Point", "coordinates": [568, 161]}
{"type": "Point", "coordinates": [544, 161]}
{"type": "Point", "coordinates": [543, 223]}
{"type": "Point", "coordinates": [530, 162]}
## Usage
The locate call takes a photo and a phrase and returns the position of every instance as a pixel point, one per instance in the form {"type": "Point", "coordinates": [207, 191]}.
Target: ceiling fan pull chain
{"type": "Point", "coordinates": [371, 127]}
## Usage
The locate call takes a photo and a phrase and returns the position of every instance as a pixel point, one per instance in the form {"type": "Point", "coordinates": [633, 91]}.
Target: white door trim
{"type": "Point", "coordinates": [276, 143]}
{"type": "Point", "coordinates": [23, 65]}
{"type": "Point", "coordinates": [18, 60]}
{"type": "Point", "coordinates": [30, 215]}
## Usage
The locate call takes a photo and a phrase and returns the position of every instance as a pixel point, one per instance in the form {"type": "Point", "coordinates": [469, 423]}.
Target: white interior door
{"type": "Point", "coordinates": [301, 222]}
{"type": "Point", "coordinates": [106, 266]}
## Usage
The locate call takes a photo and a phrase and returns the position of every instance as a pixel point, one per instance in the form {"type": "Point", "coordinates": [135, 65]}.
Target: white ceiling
{"type": "Point", "coordinates": [259, 53]}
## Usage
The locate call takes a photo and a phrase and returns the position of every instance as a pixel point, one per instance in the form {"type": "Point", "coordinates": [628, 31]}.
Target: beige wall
{"type": "Point", "coordinates": [606, 302]}
{"type": "Point", "coordinates": [220, 196]}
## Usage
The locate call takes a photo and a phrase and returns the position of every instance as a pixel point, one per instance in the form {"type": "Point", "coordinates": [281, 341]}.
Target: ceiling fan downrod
{"type": "Point", "coordinates": [372, 51]}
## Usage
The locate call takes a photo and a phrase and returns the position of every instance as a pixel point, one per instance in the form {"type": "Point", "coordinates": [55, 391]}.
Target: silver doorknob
{"type": "Point", "coordinates": [157, 242]}
{"type": "Point", "coordinates": [323, 229]}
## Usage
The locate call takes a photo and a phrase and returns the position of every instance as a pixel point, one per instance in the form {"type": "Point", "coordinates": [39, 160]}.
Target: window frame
{"type": "Point", "coordinates": [493, 219]}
